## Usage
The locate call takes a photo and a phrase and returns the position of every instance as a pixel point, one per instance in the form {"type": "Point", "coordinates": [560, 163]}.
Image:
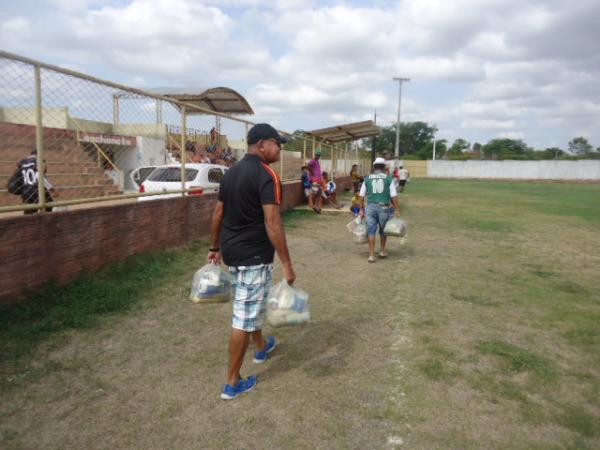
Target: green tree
{"type": "Point", "coordinates": [441, 147]}
{"type": "Point", "coordinates": [507, 149]}
{"type": "Point", "coordinates": [549, 153]}
{"type": "Point", "coordinates": [416, 140]}
{"type": "Point", "coordinates": [580, 146]}
{"type": "Point", "coordinates": [458, 147]}
{"type": "Point", "coordinates": [386, 140]}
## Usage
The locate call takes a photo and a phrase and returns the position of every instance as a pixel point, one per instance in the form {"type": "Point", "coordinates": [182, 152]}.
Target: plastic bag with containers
{"type": "Point", "coordinates": [211, 284]}
{"type": "Point", "coordinates": [360, 233]}
{"type": "Point", "coordinates": [351, 226]}
{"type": "Point", "coordinates": [395, 227]}
{"type": "Point", "coordinates": [287, 305]}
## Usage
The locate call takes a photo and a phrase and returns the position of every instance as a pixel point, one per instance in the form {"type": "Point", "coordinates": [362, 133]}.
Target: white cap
{"type": "Point", "coordinates": [380, 160]}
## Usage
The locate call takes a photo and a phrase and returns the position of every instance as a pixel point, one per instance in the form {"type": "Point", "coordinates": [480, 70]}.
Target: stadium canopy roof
{"type": "Point", "coordinates": [347, 132]}
{"type": "Point", "coordinates": [219, 99]}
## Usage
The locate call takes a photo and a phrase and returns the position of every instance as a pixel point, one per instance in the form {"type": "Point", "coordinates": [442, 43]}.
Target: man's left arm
{"type": "Point", "coordinates": [214, 253]}
{"type": "Point", "coordinates": [276, 234]}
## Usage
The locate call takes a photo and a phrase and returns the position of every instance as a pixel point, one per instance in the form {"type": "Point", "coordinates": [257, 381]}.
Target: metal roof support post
{"type": "Point", "coordinates": [333, 162]}
{"type": "Point", "coordinates": [304, 151]}
{"type": "Point", "coordinates": [346, 159]}
{"type": "Point", "coordinates": [182, 156]}
{"type": "Point", "coordinates": [39, 141]}
{"type": "Point", "coordinates": [158, 111]}
{"type": "Point", "coordinates": [116, 110]}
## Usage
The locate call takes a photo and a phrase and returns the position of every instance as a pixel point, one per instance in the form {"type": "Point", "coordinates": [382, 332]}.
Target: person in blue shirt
{"type": "Point", "coordinates": [306, 185]}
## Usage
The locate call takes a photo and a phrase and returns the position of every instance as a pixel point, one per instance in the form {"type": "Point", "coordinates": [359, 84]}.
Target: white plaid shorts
{"type": "Point", "coordinates": [251, 285]}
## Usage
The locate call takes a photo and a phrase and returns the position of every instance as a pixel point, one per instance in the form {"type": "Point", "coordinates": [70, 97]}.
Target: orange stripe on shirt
{"type": "Point", "coordinates": [276, 182]}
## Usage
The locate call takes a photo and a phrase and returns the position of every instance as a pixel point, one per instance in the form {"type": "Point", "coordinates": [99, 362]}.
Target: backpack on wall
{"type": "Point", "coordinates": [15, 183]}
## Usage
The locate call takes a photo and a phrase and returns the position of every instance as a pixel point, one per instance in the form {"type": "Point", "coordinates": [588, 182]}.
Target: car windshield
{"type": "Point", "coordinates": [142, 173]}
{"type": "Point", "coordinates": [168, 174]}
{"type": "Point", "coordinates": [215, 175]}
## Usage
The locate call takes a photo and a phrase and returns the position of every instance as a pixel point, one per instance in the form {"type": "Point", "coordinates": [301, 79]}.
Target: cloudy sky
{"type": "Point", "coordinates": [479, 69]}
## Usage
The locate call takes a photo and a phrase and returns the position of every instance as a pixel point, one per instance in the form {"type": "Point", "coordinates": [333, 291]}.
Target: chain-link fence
{"type": "Point", "coordinates": [97, 141]}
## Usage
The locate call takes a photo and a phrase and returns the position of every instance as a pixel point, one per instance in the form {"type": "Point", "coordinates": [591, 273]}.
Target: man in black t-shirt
{"type": "Point", "coordinates": [29, 179]}
{"type": "Point", "coordinates": [246, 231]}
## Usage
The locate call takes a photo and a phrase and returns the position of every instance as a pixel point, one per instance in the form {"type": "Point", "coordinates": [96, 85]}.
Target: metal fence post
{"type": "Point", "coordinates": [182, 155]}
{"type": "Point", "coordinates": [39, 141]}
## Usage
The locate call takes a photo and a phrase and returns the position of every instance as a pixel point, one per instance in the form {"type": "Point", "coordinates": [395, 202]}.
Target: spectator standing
{"type": "Point", "coordinates": [246, 231]}
{"type": "Point", "coordinates": [356, 178]}
{"type": "Point", "coordinates": [316, 179]}
{"type": "Point", "coordinates": [403, 176]}
{"type": "Point", "coordinates": [380, 192]}
{"type": "Point", "coordinates": [306, 186]}
{"type": "Point", "coordinates": [214, 136]}
{"type": "Point", "coordinates": [29, 178]}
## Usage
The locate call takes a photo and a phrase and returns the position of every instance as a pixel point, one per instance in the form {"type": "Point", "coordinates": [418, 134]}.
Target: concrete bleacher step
{"type": "Point", "coordinates": [55, 167]}
{"type": "Point", "coordinates": [65, 193]}
{"type": "Point", "coordinates": [69, 179]}
{"type": "Point", "coordinates": [73, 172]}
{"type": "Point", "coordinates": [72, 154]}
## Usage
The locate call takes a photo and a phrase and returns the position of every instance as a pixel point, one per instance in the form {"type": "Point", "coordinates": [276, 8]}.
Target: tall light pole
{"type": "Point", "coordinates": [397, 147]}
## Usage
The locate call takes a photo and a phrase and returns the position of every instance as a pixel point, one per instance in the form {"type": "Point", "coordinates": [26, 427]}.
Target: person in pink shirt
{"type": "Point", "coordinates": [316, 180]}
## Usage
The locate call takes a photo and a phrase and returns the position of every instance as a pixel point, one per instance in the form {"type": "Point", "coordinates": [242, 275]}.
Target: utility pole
{"type": "Point", "coordinates": [397, 147]}
{"type": "Point", "coordinates": [373, 142]}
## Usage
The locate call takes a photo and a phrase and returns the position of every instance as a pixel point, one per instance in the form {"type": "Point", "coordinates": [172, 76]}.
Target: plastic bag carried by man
{"type": "Point", "coordinates": [211, 284]}
{"type": "Point", "coordinates": [287, 305]}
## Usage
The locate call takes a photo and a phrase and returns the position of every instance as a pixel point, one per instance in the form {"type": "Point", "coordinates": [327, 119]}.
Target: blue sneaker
{"type": "Point", "coordinates": [261, 357]}
{"type": "Point", "coordinates": [230, 392]}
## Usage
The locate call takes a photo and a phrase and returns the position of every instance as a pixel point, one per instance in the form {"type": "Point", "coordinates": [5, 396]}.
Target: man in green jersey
{"type": "Point", "coordinates": [380, 192]}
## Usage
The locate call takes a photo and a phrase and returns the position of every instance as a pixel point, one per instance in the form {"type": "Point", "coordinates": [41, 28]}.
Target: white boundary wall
{"type": "Point", "coordinates": [528, 170]}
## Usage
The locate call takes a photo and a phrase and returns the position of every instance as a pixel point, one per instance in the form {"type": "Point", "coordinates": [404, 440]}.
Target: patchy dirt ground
{"type": "Point", "coordinates": [399, 354]}
{"type": "Point", "coordinates": [152, 379]}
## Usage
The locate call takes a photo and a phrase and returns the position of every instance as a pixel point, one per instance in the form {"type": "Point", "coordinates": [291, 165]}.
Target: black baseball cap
{"type": "Point", "coordinates": [264, 131]}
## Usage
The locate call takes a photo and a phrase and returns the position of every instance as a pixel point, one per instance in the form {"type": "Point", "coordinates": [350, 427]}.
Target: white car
{"type": "Point", "coordinates": [201, 178]}
{"type": "Point", "coordinates": [139, 175]}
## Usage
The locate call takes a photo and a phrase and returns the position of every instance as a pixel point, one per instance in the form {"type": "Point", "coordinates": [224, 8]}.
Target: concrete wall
{"type": "Point", "coordinates": [527, 170]}
{"type": "Point", "coordinates": [89, 125]}
{"type": "Point", "coordinates": [51, 117]}
{"type": "Point", "coordinates": [59, 246]}
{"type": "Point", "coordinates": [157, 131]}
{"type": "Point", "coordinates": [148, 152]}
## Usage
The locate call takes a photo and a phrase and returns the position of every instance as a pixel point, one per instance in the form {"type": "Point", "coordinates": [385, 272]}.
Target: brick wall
{"type": "Point", "coordinates": [37, 249]}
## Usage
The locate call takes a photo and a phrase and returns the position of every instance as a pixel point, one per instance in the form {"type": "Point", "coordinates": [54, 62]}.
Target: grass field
{"type": "Point", "coordinates": [482, 331]}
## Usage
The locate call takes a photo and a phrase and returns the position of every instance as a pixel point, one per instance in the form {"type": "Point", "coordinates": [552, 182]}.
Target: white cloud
{"type": "Point", "coordinates": [476, 67]}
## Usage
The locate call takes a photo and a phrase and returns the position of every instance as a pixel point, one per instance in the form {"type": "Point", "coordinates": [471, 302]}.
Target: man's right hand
{"type": "Point", "coordinates": [288, 273]}
{"type": "Point", "coordinates": [214, 257]}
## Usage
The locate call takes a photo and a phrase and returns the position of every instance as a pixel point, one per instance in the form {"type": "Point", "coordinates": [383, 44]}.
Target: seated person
{"type": "Point", "coordinates": [355, 206]}
{"type": "Point", "coordinates": [329, 191]}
